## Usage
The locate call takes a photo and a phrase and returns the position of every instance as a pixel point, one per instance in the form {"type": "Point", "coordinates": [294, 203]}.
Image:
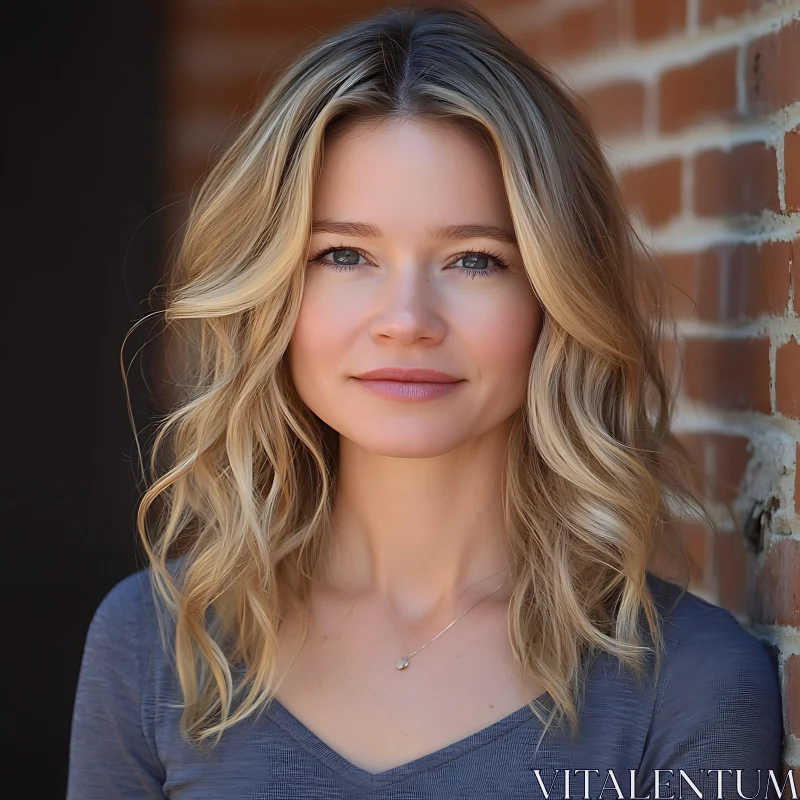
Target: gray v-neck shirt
{"type": "Point", "coordinates": [716, 706]}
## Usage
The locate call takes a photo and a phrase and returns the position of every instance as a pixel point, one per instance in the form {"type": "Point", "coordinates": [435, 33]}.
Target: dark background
{"type": "Point", "coordinates": [113, 111]}
{"type": "Point", "coordinates": [82, 246]}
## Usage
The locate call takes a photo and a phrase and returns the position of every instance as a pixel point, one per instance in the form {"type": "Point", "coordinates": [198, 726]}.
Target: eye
{"type": "Point", "coordinates": [476, 262]}
{"type": "Point", "coordinates": [479, 262]}
{"type": "Point", "coordinates": [342, 259]}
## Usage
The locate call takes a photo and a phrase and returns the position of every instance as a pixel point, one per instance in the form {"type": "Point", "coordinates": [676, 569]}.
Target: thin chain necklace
{"type": "Point", "coordinates": [404, 661]}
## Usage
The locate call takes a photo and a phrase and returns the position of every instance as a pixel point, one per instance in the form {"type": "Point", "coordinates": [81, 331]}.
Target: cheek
{"type": "Point", "coordinates": [505, 338]}
{"type": "Point", "coordinates": [317, 340]}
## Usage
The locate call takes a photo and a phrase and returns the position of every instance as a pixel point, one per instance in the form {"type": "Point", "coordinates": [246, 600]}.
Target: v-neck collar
{"type": "Point", "coordinates": [279, 714]}
{"type": "Point", "coordinates": [310, 742]}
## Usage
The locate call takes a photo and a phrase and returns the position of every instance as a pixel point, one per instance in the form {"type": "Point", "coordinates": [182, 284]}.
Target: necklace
{"type": "Point", "coordinates": [404, 661]}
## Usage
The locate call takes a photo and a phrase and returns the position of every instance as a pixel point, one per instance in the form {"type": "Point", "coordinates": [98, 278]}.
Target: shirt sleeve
{"type": "Point", "coordinates": [109, 754]}
{"type": "Point", "coordinates": [718, 708]}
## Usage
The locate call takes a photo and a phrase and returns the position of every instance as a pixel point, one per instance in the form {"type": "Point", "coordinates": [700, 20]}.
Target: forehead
{"type": "Point", "coordinates": [403, 173]}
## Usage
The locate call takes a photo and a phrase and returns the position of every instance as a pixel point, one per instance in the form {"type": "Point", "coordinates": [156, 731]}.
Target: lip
{"type": "Point", "coordinates": [409, 391]}
{"type": "Point", "coordinates": [408, 375]}
{"type": "Point", "coordinates": [408, 385]}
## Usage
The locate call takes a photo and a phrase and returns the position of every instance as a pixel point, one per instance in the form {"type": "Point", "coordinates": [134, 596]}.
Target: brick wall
{"type": "Point", "coordinates": [221, 56]}
{"type": "Point", "coordinates": [698, 102]}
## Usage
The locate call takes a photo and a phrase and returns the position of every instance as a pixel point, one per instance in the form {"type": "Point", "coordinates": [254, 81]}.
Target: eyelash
{"type": "Point", "coordinates": [502, 263]}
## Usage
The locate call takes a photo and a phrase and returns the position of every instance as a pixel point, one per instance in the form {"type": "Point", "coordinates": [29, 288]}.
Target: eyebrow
{"type": "Point", "coordinates": [450, 232]}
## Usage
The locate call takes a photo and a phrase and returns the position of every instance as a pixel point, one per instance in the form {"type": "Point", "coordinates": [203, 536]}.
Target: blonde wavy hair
{"type": "Point", "coordinates": [245, 493]}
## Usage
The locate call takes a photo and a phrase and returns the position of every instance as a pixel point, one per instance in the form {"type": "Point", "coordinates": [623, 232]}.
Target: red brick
{"type": "Point", "coordinates": [757, 277]}
{"type": "Point", "coordinates": [575, 32]}
{"type": "Point", "coordinates": [732, 564]}
{"type": "Point", "coordinates": [699, 91]}
{"type": "Point", "coordinates": [777, 590]}
{"type": "Point", "coordinates": [617, 109]}
{"type": "Point", "coordinates": [772, 67]}
{"type": "Point", "coordinates": [695, 541]}
{"type": "Point", "coordinates": [692, 541]}
{"type": "Point", "coordinates": [729, 456]}
{"type": "Point", "coordinates": [728, 373]}
{"type": "Point", "coordinates": [654, 191]}
{"type": "Point", "coordinates": [693, 280]}
{"type": "Point", "coordinates": [743, 181]}
{"type": "Point", "coordinates": [787, 379]}
{"type": "Point", "coordinates": [694, 445]}
{"type": "Point", "coordinates": [720, 462]}
{"type": "Point", "coordinates": [791, 163]}
{"type": "Point", "coordinates": [668, 352]}
{"type": "Point", "coordinates": [585, 29]}
{"type": "Point", "coordinates": [797, 481]}
{"type": "Point", "coordinates": [711, 10]}
{"type": "Point", "coordinates": [540, 43]}
{"type": "Point", "coordinates": [654, 19]}
{"type": "Point", "coordinates": [791, 693]}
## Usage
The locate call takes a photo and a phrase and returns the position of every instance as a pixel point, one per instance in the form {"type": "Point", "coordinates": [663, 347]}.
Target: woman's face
{"type": "Point", "coordinates": [406, 210]}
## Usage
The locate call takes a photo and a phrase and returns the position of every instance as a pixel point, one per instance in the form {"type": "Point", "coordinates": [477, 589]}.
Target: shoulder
{"type": "Point", "coordinates": [114, 713]}
{"type": "Point", "coordinates": [718, 690]}
{"type": "Point", "coordinates": [694, 629]}
{"type": "Point", "coordinates": [126, 601]}
{"type": "Point", "coordinates": [126, 617]}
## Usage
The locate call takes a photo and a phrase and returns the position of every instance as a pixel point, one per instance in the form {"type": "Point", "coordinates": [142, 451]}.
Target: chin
{"type": "Point", "coordinates": [424, 442]}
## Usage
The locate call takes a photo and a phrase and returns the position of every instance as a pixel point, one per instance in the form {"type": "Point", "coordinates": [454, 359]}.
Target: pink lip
{"type": "Point", "coordinates": [409, 391]}
{"type": "Point", "coordinates": [408, 375]}
{"type": "Point", "coordinates": [409, 385]}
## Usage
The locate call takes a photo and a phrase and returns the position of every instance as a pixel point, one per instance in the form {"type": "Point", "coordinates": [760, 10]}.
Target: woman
{"type": "Point", "coordinates": [424, 471]}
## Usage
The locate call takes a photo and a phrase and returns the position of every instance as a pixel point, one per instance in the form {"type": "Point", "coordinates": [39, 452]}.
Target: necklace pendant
{"type": "Point", "coordinates": [402, 663]}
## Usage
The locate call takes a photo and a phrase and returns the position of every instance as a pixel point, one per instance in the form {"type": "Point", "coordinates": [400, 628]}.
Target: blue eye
{"type": "Point", "coordinates": [344, 258]}
{"type": "Point", "coordinates": [477, 262]}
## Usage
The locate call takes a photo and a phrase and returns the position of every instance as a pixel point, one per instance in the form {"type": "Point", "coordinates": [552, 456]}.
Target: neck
{"type": "Point", "coordinates": [421, 535]}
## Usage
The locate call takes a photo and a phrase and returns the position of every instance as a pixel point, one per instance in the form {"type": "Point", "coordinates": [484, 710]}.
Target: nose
{"type": "Point", "coordinates": [408, 307]}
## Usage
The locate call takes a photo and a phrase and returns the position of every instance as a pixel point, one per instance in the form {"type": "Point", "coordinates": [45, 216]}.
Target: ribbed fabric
{"type": "Point", "coordinates": [716, 706]}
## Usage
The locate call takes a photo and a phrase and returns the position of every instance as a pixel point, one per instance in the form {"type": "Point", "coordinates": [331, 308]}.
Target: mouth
{"type": "Point", "coordinates": [408, 385]}
{"type": "Point", "coordinates": [408, 375]}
